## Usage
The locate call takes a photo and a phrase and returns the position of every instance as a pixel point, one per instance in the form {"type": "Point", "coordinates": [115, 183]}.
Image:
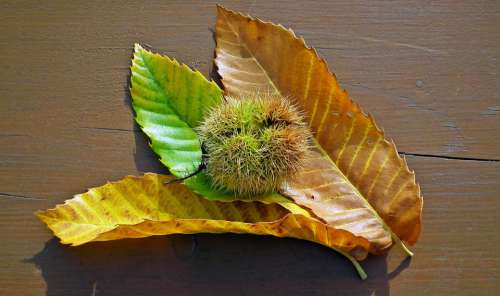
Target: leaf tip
{"type": "Point", "coordinates": [40, 215]}
{"type": "Point", "coordinates": [220, 8]}
{"type": "Point", "coordinates": [138, 47]}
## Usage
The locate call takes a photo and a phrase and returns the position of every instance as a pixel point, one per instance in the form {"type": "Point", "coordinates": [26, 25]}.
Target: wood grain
{"type": "Point", "coordinates": [427, 71]}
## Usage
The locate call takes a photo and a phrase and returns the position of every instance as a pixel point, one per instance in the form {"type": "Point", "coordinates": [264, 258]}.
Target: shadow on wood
{"type": "Point", "coordinates": [224, 264]}
{"type": "Point", "coordinates": [145, 159]}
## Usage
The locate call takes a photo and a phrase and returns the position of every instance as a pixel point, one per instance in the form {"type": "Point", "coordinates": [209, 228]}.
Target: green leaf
{"type": "Point", "coordinates": [202, 185]}
{"type": "Point", "coordinates": [169, 100]}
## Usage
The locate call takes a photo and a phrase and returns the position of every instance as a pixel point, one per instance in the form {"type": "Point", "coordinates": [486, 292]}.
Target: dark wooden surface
{"type": "Point", "coordinates": [429, 71]}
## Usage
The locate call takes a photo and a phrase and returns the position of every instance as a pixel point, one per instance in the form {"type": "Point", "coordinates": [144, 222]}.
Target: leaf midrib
{"type": "Point", "coordinates": [158, 85]}
{"type": "Point", "coordinates": [253, 57]}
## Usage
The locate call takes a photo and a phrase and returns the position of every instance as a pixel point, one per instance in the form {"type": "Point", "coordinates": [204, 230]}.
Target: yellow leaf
{"type": "Point", "coordinates": [356, 181]}
{"type": "Point", "coordinates": [144, 206]}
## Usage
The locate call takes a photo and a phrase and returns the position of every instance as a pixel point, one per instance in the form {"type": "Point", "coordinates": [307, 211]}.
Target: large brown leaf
{"type": "Point", "coordinates": [356, 181]}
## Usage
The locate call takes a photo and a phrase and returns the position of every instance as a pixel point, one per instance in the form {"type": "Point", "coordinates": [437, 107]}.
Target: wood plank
{"type": "Point", "coordinates": [437, 65]}
{"type": "Point", "coordinates": [457, 253]}
{"type": "Point", "coordinates": [428, 71]}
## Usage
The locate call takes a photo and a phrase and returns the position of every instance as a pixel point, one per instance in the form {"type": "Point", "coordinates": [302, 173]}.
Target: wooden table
{"type": "Point", "coordinates": [429, 71]}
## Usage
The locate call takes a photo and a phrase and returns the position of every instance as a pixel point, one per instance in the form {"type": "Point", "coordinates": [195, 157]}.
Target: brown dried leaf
{"type": "Point", "coordinates": [360, 184]}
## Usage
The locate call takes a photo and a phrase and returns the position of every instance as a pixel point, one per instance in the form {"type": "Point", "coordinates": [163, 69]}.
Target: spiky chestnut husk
{"type": "Point", "coordinates": [254, 143]}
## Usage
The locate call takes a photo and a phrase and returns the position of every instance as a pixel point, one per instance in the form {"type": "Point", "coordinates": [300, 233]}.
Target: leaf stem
{"type": "Point", "coordinates": [399, 242]}
{"type": "Point", "coordinates": [200, 168]}
{"type": "Point", "coordinates": [357, 266]}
